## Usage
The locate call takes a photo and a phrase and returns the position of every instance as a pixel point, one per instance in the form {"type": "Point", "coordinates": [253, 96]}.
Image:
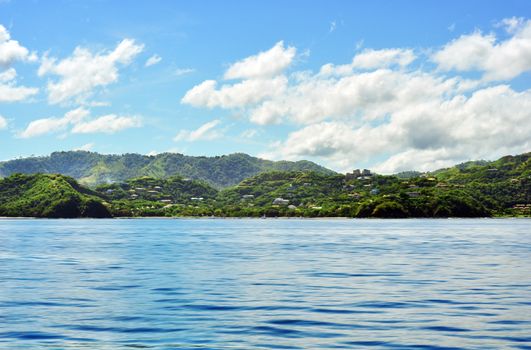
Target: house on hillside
{"type": "Point", "coordinates": [280, 201]}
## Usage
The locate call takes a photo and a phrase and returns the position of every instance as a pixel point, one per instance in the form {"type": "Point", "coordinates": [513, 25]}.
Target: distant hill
{"type": "Point", "coordinates": [148, 195]}
{"type": "Point", "coordinates": [49, 196]}
{"type": "Point", "coordinates": [91, 168]}
{"type": "Point", "coordinates": [472, 189]}
{"type": "Point", "coordinates": [311, 194]}
{"type": "Point", "coordinates": [501, 184]}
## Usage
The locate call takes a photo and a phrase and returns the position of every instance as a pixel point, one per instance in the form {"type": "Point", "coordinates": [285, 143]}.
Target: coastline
{"type": "Point", "coordinates": [256, 218]}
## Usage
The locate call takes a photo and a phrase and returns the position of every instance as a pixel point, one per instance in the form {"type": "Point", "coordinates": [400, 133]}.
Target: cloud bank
{"type": "Point", "coordinates": [383, 106]}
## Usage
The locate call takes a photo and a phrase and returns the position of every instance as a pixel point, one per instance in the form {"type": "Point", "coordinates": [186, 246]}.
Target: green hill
{"type": "Point", "coordinates": [92, 168]}
{"type": "Point", "coordinates": [51, 196]}
{"type": "Point", "coordinates": [311, 194]}
{"type": "Point", "coordinates": [472, 189]}
{"type": "Point", "coordinates": [503, 185]}
{"type": "Point", "coordinates": [149, 196]}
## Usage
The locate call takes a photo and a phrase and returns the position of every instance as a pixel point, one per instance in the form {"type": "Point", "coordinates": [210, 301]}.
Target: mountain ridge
{"type": "Point", "coordinates": [91, 168]}
{"type": "Point", "coordinates": [472, 189]}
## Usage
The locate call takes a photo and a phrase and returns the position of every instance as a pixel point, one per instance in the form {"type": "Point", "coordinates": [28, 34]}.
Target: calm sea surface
{"type": "Point", "coordinates": [265, 284]}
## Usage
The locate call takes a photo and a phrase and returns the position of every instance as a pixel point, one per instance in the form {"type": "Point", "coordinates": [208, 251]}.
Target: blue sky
{"type": "Point", "coordinates": [389, 85]}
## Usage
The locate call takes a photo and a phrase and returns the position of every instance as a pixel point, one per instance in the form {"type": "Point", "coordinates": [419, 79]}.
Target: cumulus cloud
{"type": "Point", "coordinates": [8, 75]}
{"type": "Point", "coordinates": [247, 92]}
{"type": "Point", "coordinates": [47, 125]}
{"type": "Point", "coordinates": [264, 64]}
{"type": "Point", "coordinates": [108, 124]}
{"type": "Point", "coordinates": [10, 52]}
{"type": "Point", "coordinates": [84, 71]}
{"type": "Point", "coordinates": [368, 95]}
{"type": "Point", "coordinates": [3, 123]}
{"type": "Point", "coordinates": [260, 77]}
{"type": "Point", "coordinates": [204, 132]}
{"type": "Point", "coordinates": [76, 121]}
{"type": "Point", "coordinates": [511, 24]}
{"type": "Point", "coordinates": [491, 122]}
{"type": "Point", "coordinates": [153, 60]}
{"type": "Point", "coordinates": [498, 60]}
{"type": "Point", "coordinates": [370, 59]}
{"type": "Point", "coordinates": [379, 106]}
{"type": "Point", "coordinates": [12, 93]}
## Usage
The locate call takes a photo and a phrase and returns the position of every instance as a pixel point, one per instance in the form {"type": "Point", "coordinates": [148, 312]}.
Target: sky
{"type": "Point", "coordinates": [385, 85]}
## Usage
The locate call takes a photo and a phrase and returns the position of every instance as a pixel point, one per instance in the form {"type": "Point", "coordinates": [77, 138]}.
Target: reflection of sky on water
{"type": "Point", "coordinates": [264, 283]}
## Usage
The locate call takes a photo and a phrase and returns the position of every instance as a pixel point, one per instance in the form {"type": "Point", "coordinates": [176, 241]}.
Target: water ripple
{"type": "Point", "coordinates": [265, 284]}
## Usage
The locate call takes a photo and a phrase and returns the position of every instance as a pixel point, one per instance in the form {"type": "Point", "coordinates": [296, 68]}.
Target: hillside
{"type": "Point", "coordinates": [50, 196]}
{"type": "Point", "coordinates": [311, 194]}
{"type": "Point", "coordinates": [151, 196]}
{"type": "Point", "coordinates": [472, 189]}
{"type": "Point", "coordinates": [504, 185]}
{"type": "Point", "coordinates": [91, 168]}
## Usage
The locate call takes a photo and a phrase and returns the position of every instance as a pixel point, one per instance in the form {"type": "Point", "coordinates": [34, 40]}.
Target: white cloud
{"type": "Point", "coordinates": [43, 126]}
{"type": "Point", "coordinates": [249, 133]}
{"type": "Point", "coordinates": [84, 71]}
{"type": "Point", "coordinates": [48, 125]}
{"type": "Point", "coordinates": [204, 132]}
{"type": "Point", "coordinates": [511, 24]}
{"type": "Point", "coordinates": [264, 64]}
{"type": "Point", "coordinates": [183, 71]}
{"type": "Point", "coordinates": [77, 121]}
{"type": "Point", "coordinates": [85, 147]}
{"type": "Point", "coordinates": [108, 124]}
{"type": "Point", "coordinates": [370, 95]}
{"type": "Point", "coordinates": [11, 50]}
{"type": "Point", "coordinates": [8, 75]}
{"type": "Point", "coordinates": [247, 92]}
{"type": "Point", "coordinates": [333, 26]}
{"type": "Point", "coordinates": [153, 60]}
{"type": "Point", "coordinates": [12, 93]}
{"type": "Point", "coordinates": [379, 106]}
{"type": "Point", "coordinates": [440, 132]}
{"type": "Point", "coordinates": [3, 123]}
{"type": "Point", "coordinates": [497, 60]}
{"type": "Point", "coordinates": [371, 59]}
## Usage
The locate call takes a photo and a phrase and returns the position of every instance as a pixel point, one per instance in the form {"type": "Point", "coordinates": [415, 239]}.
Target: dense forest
{"type": "Point", "coordinates": [49, 195]}
{"type": "Point", "coordinates": [472, 189]}
{"type": "Point", "coordinates": [91, 168]}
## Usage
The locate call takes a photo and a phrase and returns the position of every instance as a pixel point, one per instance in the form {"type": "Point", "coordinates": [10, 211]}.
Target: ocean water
{"type": "Point", "coordinates": [265, 284]}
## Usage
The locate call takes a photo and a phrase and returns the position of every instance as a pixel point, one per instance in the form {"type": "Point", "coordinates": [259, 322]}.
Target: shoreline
{"type": "Point", "coordinates": [255, 218]}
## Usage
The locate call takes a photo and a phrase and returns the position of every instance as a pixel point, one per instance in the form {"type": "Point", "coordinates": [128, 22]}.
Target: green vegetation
{"type": "Point", "coordinates": [92, 168]}
{"type": "Point", "coordinates": [311, 195]}
{"type": "Point", "coordinates": [51, 196]}
{"type": "Point", "coordinates": [148, 196]}
{"type": "Point", "coordinates": [473, 189]}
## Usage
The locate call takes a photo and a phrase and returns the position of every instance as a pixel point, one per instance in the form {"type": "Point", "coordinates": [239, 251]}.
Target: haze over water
{"type": "Point", "coordinates": [265, 284]}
